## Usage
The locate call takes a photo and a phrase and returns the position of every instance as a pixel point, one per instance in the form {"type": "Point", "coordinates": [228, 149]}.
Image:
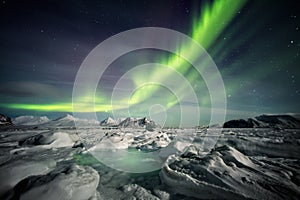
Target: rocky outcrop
{"type": "Point", "coordinates": [4, 120]}
{"type": "Point", "coordinates": [265, 121]}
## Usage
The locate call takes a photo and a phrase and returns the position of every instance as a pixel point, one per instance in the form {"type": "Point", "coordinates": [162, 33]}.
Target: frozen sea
{"type": "Point", "coordinates": [54, 160]}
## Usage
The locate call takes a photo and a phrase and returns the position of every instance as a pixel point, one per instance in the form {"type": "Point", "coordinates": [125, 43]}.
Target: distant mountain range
{"type": "Point", "coordinates": [265, 121]}
{"type": "Point", "coordinates": [130, 122]}
{"type": "Point", "coordinates": [30, 120]}
{"type": "Point", "coordinates": [262, 121]}
{"type": "Point", "coordinates": [69, 120]}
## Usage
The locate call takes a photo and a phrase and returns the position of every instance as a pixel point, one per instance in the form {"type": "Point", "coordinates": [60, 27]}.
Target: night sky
{"type": "Point", "coordinates": [43, 44]}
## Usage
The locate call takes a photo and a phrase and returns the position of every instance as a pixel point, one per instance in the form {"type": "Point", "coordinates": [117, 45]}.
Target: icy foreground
{"type": "Point", "coordinates": [49, 161]}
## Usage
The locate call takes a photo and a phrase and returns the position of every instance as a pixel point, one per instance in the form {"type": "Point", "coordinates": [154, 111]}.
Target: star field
{"type": "Point", "coordinates": [44, 43]}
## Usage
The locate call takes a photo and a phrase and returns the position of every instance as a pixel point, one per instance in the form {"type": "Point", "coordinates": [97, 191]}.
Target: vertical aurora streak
{"type": "Point", "coordinates": [205, 29]}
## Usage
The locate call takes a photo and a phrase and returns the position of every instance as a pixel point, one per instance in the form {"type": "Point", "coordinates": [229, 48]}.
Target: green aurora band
{"type": "Point", "coordinates": [205, 30]}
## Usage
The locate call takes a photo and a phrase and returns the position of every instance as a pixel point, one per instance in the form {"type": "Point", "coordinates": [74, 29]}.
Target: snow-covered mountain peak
{"type": "Point", "coordinates": [108, 121]}
{"type": "Point", "coordinates": [66, 117]}
{"type": "Point", "coordinates": [30, 120]}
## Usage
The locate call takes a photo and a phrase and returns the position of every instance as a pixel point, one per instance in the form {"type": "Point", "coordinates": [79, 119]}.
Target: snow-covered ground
{"type": "Point", "coordinates": [54, 160]}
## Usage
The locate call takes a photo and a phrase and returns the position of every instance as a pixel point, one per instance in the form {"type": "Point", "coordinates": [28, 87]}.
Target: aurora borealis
{"type": "Point", "coordinates": [255, 45]}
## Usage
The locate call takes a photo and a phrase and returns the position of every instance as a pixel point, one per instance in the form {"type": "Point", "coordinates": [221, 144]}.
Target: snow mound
{"type": "Point", "coordinates": [175, 147]}
{"type": "Point", "coordinates": [139, 139]}
{"type": "Point", "coordinates": [134, 191]}
{"type": "Point", "coordinates": [111, 141]}
{"type": "Point", "coordinates": [30, 120]}
{"type": "Point", "coordinates": [225, 174]}
{"type": "Point", "coordinates": [148, 140]}
{"type": "Point", "coordinates": [50, 140]}
{"type": "Point", "coordinates": [17, 170]}
{"type": "Point", "coordinates": [72, 182]}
